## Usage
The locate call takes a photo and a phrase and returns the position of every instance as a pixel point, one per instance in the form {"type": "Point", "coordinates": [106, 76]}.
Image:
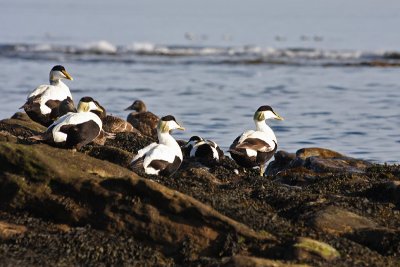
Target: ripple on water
{"type": "Point", "coordinates": [141, 89]}
{"type": "Point", "coordinates": [354, 133]}
{"type": "Point", "coordinates": [321, 138]}
{"type": "Point", "coordinates": [336, 88]}
{"type": "Point", "coordinates": [189, 93]}
{"type": "Point", "coordinates": [279, 90]}
{"type": "Point", "coordinates": [279, 128]}
{"type": "Point", "coordinates": [191, 114]}
{"type": "Point", "coordinates": [125, 90]}
{"type": "Point", "coordinates": [218, 119]}
{"type": "Point", "coordinates": [315, 114]}
{"type": "Point", "coordinates": [305, 143]}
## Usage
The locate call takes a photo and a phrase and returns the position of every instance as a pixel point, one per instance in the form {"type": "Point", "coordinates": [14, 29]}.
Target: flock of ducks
{"type": "Point", "coordinates": [52, 106]}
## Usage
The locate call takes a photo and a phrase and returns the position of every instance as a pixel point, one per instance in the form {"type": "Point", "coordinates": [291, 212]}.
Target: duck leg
{"type": "Point", "coordinates": [261, 170]}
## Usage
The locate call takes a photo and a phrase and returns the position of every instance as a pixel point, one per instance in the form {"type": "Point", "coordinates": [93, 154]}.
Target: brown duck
{"type": "Point", "coordinates": [143, 120]}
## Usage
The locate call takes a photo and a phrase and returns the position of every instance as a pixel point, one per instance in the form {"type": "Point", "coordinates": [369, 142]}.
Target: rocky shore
{"type": "Point", "coordinates": [315, 207]}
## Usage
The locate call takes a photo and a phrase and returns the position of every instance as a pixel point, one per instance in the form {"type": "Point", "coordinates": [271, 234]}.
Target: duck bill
{"type": "Point", "coordinates": [69, 77]}
{"type": "Point", "coordinates": [181, 128]}
{"type": "Point", "coordinates": [279, 118]}
{"type": "Point", "coordinates": [129, 108]}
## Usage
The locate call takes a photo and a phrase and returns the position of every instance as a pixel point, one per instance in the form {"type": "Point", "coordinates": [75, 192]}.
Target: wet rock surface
{"type": "Point", "coordinates": [316, 207]}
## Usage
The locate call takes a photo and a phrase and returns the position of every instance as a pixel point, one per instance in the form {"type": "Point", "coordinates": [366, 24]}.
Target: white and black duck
{"type": "Point", "coordinates": [145, 121]}
{"type": "Point", "coordinates": [204, 151]}
{"type": "Point", "coordinates": [42, 104]}
{"type": "Point", "coordinates": [111, 124]}
{"type": "Point", "coordinates": [75, 129]}
{"type": "Point", "coordinates": [164, 157]}
{"type": "Point", "coordinates": [255, 148]}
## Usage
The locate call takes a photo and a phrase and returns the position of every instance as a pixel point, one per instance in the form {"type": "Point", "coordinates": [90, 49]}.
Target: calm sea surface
{"type": "Point", "coordinates": [211, 64]}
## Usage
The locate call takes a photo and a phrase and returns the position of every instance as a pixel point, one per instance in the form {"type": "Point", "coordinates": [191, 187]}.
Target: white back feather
{"type": "Point", "coordinates": [72, 118]}
{"type": "Point", "coordinates": [51, 92]}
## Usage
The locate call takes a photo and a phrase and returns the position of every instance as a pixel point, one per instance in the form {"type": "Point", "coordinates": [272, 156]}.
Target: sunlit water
{"type": "Point", "coordinates": [212, 80]}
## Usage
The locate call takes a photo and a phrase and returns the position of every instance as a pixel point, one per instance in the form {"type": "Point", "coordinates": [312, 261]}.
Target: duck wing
{"type": "Point", "coordinates": [255, 144]}
{"type": "Point", "coordinates": [142, 152]}
{"type": "Point", "coordinates": [145, 122]}
{"type": "Point", "coordinates": [39, 90]}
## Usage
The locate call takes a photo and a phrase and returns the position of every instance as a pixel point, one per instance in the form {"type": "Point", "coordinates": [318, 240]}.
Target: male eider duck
{"type": "Point", "coordinates": [67, 105]}
{"type": "Point", "coordinates": [42, 104]}
{"type": "Point", "coordinates": [143, 120]}
{"type": "Point", "coordinates": [163, 158]}
{"type": "Point", "coordinates": [204, 151]}
{"type": "Point", "coordinates": [255, 148]}
{"type": "Point", "coordinates": [75, 129]}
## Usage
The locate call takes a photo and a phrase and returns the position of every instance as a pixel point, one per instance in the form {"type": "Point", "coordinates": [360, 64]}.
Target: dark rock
{"type": "Point", "coordinates": [383, 240]}
{"type": "Point", "coordinates": [305, 153]}
{"type": "Point", "coordinates": [386, 191]}
{"type": "Point", "coordinates": [338, 221]}
{"type": "Point", "coordinates": [74, 189]}
{"type": "Point", "coordinates": [343, 164]}
{"type": "Point", "coordinates": [129, 141]}
{"type": "Point", "coordinates": [282, 160]}
{"type": "Point", "coordinates": [20, 125]}
{"type": "Point", "coordinates": [81, 211]}
{"type": "Point", "coordinates": [246, 261]}
{"type": "Point", "coordinates": [111, 154]}
{"type": "Point", "coordinates": [318, 160]}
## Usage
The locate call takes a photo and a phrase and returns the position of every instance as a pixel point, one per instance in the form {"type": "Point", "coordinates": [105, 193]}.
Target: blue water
{"type": "Point", "coordinates": [211, 64]}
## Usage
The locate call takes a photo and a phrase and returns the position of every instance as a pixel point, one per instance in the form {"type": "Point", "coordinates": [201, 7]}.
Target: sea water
{"type": "Point", "coordinates": [211, 64]}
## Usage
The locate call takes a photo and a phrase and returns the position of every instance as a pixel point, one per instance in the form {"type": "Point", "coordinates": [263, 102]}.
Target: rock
{"type": "Point", "coordinates": [383, 240]}
{"type": "Point", "coordinates": [9, 230]}
{"type": "Point", "coordinates": [282, 160]}
{"type": "Point", "coordinates": [305, 153]}
{"type": "Point", "coordinates": [20, 125]}
{"type": "Point", "coordinates": [344, 164]}
{"type": "Point", "coordinates": [111, 154]}
{"type": "Point", "coordinates": [307, 248]}
{"type": "Point", "coordinates": [246, 261]}
{"type": "Point", "coordinates": [129, 141]}
{"type": "Point", "coordinates": [82, 211]}
{"type": "Point", "coordinates": [337, 221]}
{"type": "Point", "coordinates": [74, 189]}
{"type": "Point", "coordinates": [200, 173]}
{"type": "Point", "coordinates": [7, 137]}
{"type": "Point", "coordinates": [318, 160]}
{"type": "Point", "coordinates": [386, 191]}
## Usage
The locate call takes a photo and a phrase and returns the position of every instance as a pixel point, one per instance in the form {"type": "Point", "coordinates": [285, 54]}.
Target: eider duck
{"type": "Point", "coordinates": [67, 105]}
{"type": "Point", "coordinates": [143, 120]}
{"type": "Point", "coordinates": [42, 104]}
{"type": "Point", "coordinates": [113, 124]}
{"type": "Point", "coordinates": [75, 129]}
{"type": "Point", "coordinates": [163, 158]}
{"type": "Point", "coordinates": [204, 151]}
{"type": "Point", "coordinates": [255, 148]}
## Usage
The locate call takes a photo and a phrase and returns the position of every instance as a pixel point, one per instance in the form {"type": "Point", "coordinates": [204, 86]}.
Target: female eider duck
{"type": "Point", "coordinates": [113, 124]}
{"type": "Point", "coordinates": [143, 120]}
{"type": "Point", "coordinates": [255, 148]}
{"type": "Point", "coordinates": [163, 158]}
{"type": "Point", "coordinates": [204, 151]}
{"type": "Point", "coordinates": [75, 129]}
{"type": "Point", "coordinates": [42, 104]}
